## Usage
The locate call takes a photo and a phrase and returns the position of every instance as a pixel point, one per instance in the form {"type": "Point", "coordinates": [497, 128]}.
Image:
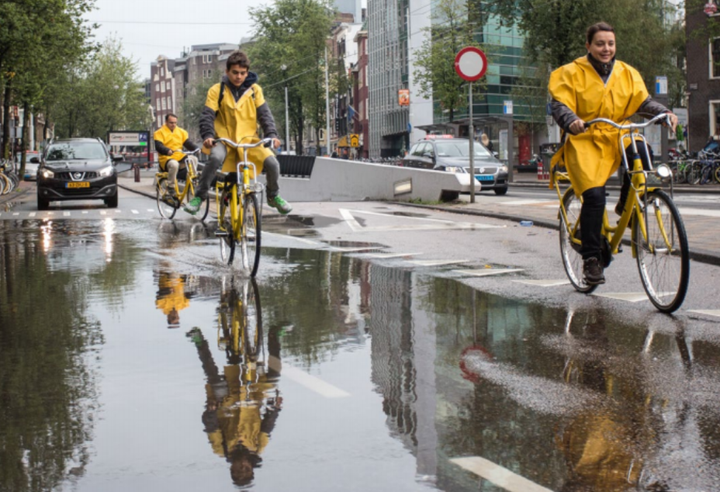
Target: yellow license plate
{"type": "Point", "coordinates": [78, 184]}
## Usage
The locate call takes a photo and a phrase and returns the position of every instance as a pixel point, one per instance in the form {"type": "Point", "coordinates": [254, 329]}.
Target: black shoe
{"type": "Point", "coordinates": [619, 209]}
{"type": "Point", "coordinates": [593, 272]}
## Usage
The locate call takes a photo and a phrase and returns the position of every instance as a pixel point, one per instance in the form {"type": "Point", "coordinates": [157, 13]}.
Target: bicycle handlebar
{"type": "Point", "coordinates": [187, 152]}
{"type": "Point", "coordinates": [630, 126]}
{"type": "Point", "coordinates": [265, 141]}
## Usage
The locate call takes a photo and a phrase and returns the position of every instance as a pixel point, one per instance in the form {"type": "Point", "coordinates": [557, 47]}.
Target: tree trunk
{"type": "Point", "coordinates": [6, 148]}
{"type": "Point", "coordinates": [25, 137]}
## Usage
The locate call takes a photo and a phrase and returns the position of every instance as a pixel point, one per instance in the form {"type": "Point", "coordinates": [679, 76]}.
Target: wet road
{"type": "Point", "coordinates": [376, 353]}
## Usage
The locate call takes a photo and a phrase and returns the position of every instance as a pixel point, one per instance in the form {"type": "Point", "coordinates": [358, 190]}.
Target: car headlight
{"type": "Point", "coordinates": [47, 173]}
{"type": "Point", "coordinates": [106, 171]}
{"type": "Point", "coordinates": [454, 169]}
{"type": "Point", "coordinates": [503, 169]}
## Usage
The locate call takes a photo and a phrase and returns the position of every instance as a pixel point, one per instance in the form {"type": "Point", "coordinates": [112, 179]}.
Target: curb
{"type": "Point", "coordinates": [21, 191]}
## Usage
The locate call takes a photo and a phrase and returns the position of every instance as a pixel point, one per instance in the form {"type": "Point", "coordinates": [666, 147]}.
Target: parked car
{"type": "Point", "coordinates": [77, 169]}
{"type": "Point", "coordinates": [446, 153]}
{"type": "Point", "coordinates": [32, 162]}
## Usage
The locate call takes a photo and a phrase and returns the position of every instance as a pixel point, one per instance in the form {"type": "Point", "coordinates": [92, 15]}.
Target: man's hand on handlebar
{"type": "Point", "coordinates": [577, 127]}
{"type": "Point", "coordinates": [276, 143]}
{"type": "Point", "coordinates": [208, 143]}
{"type": "Point", "coordinates": [673, 120]}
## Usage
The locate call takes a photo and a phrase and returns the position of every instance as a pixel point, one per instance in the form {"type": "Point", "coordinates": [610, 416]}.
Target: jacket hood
{"type": "Point", "coordinates": [251, 79]}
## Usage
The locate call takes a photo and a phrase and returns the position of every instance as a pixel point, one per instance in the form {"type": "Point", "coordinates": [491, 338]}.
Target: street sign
{"type": "Point", "coordinates": [354, 140]}
{"type": "Point", "coordinates": [661, 85]}
{"type": "Point", "coordinates": [128, 138]}
{"type": "Point", "coordinates": [471, 63]}
{"type": "Point", "coordinates": [507, 107]}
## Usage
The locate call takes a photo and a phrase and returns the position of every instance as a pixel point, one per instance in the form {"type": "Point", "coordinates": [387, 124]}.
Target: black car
{"type": "Point", "coordinates": [77, 169]}
{"type": "Point", "coordinates": [445, 153]}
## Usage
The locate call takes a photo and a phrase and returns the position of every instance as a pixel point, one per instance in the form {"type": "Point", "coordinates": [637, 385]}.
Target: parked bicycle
{"type": "Point", "coordinates": [168, 203]}
{"type": "Point", "coordinates": [8, 179]}
{"type": "Point", "coordinates": [659, 241]}
{"type": "Point", "coordinates": [239, 198]}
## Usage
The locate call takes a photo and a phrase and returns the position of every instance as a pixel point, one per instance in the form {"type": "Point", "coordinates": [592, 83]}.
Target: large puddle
{"type": "Point", "coordinates": [131, 360]}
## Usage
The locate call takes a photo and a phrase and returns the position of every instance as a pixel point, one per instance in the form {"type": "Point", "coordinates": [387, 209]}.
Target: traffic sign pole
{"type": "Point", "coordinates": [472, 150]}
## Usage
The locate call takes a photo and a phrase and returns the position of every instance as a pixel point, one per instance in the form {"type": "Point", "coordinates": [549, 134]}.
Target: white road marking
{"type": "Point", "coordinates": [486, 272]}
{"type": "Point", "coordinates": [118, 211]}
{"type": "Point", "coordinates": [389, 255]}
{"type": "Point", "coordinates": [312, 383]}
{"type": "Point", "coordinates": [710, 312]}
{"type": "Point", "coordinates": [350, 249]}
{"type": "Point", "coordinates": [135, 212]}
{"type": "Point", "coordinates": [530, 202]}
{"type": "Point", "coordinates": [66, 214]}
{"type": "Point", "coordinates": [625, 296]}
{"type": "Point", "coordinates": [103, 212]}
{"type": "Point", "coordinates": [16, 213]}
{"type": "Point", "coordinates": [544, 283]}
{"type": "Point", "coordinates": [498, 475]}
{"type": "Point", "coordinates": [151, 210]}
{"type": "Point", "coordinates": [429, 225]}
{"type": "Point", "coordinates": [32, 214]}
{"type": "Point", "coordinates": [431, 263]}
{"type": "Point", "coordinates": [85, 211]}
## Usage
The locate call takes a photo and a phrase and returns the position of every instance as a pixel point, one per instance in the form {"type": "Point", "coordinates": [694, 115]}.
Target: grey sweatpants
{"type": "Point", "coordinates": [217, 157]}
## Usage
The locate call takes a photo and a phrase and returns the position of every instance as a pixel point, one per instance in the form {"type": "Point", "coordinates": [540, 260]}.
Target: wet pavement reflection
{"type": "Point", "coordinates": [131, 360]}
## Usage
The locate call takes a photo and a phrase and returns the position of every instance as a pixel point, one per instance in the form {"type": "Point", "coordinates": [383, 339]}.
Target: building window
{"type": "Point", "coordinates": [157, 87]}
{"type": "Point", "coordinates": [207, 58]}
{"type": "Point", "coordinates": [162, 71]}
{"type": "Point", "coordinates": [715, 58]}
{"type": "Point", "coordinates": [164, 105]}
{"type": "Point", "coordinates": [714, 117]}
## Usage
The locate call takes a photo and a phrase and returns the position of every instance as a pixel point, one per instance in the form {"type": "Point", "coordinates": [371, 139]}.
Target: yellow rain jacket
{"type": "Point", "coordinates": [172, 294]}
{"type": "Point", "coordinates": [235, 121]}
{"type": "Point", "coordinates": [172, 140]}
{"type": "Point", "coordinates": [592, 157]}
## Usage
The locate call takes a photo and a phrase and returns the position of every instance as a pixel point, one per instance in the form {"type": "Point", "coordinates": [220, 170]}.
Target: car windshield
{"type": "Point", "coordinates": [461, 148]}
{"type": "Point", "coordinates": [65, 151]}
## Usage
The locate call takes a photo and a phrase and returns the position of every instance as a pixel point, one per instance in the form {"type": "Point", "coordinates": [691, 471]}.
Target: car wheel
{"type": "Point", "coordinates": [42, 203]}
{"type": "Point", "coordinates": [112, 202]}
{"type": "Point", "coordinates": [501, 191]}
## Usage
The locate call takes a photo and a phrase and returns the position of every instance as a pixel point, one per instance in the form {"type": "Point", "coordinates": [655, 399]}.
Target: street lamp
{"type": "Point", "coordinates": [287, 118]}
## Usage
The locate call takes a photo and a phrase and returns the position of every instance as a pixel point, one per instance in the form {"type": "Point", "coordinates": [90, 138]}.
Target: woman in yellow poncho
{"type": "Point", "coordinates": [597, 86]}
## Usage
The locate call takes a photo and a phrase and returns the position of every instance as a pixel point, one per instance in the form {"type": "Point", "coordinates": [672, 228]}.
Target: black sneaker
{"type": "Point", "coordinates": [593, 272]}
{"type": "Point", "coordinates": [619, 209]}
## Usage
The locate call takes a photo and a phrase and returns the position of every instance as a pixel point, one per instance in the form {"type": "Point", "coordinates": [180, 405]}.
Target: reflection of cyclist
{"type": "Point", "coordinates": [234, 108]}
{"type": "Point", "coordinates": [171, 297]}
{"type": "Point", "coordinates": [596, 86]}
{"type": "Point", "coordinates": [169, 138]}
{"type": "Point", "coordinates": [242, 403]}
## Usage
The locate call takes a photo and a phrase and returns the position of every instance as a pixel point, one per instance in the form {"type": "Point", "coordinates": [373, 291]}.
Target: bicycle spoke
{"type": "Point", "coordinates": [164, 204]}
{"type": "Point", "coordinates": [569, 250]}
{"type": "Point", "coordinates": [250, 242]}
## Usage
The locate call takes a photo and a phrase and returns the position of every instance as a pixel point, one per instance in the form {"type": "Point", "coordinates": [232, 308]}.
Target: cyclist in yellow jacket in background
{"type": "Point", "coordinates": [168, 139]}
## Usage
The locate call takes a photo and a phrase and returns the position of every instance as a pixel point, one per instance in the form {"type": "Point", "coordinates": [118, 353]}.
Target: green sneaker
{"type": "Point", "coordinates": [193, 205]}
{"type": "Point", "coordinates": [280, 205]}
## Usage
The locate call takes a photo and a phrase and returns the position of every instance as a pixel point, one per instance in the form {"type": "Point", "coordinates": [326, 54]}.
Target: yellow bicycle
{"type": "Point", "coordinates": [658, 238]}
{"type": "Point", "coordinates": [167, 203]}
{"type": "Point", "coordinates": [239, 198]}
{"type": "Point", "coordinates": [240, 323]}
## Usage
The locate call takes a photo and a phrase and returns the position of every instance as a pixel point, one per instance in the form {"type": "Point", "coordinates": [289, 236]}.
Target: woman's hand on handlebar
{"type": "Point", "coordinates": [208, 143]}
{"type": "Point", "coordinates": [672, 119]}
{"type": "Point", "coordinates": [577, 127]}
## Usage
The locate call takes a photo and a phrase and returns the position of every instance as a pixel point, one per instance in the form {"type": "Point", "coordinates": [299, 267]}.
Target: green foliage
{"type": "Point", "coordinates": [101, 95]}
{"type": "Point", "coordinates": [194, 102]}
{"type": "Point", "coordinates": [293, 33]}
{"type": "Point", "coordinates": [555, 32]}
{"type": "Point", "coordinates": [436, 74]}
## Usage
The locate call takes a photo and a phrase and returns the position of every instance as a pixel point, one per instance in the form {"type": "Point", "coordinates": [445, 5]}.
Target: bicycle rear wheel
{"type": "Point", "coordinates": [250, 237]}
{"type": "Point", "coordinates": [716, 173]}
{"type": "Point", "coordinates": [252, 313]}
{"type": "Point", "coordinates": [664, 258]}
{"type": "Point", "coordinates": [569, 251]}
{"type": "Point", "coordinates": [166, 209]}
{"type": "Point", "coordinates": [226, 234]}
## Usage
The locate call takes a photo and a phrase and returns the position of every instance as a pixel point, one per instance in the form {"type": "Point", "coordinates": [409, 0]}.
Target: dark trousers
{"type": "Point", "coordinates": [593, 208]}
{"type": "Point", "coordinates": [271, 167]}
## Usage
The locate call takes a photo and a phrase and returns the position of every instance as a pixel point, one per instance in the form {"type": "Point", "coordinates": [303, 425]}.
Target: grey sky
{"type": "Point", "coordinates": [149, 28]}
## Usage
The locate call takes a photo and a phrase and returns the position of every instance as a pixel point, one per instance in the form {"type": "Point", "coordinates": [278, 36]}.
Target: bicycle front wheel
{"type": "Point", "coordinates": [164, 205]}
{"type": "Point", "coordinates": [569, 250]}
{"type": "Point", "coordinates": [663, 258]}
{"type": "Point", "coordinates": [250, 244]}
{"type": "Point", "coordinates": [716, 173]}
{"type": "Point", "coordinates": [225, 233]}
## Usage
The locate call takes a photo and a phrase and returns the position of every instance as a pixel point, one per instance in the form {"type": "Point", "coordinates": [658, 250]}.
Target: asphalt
{"type": "Point", "coordinates": [703, 231]}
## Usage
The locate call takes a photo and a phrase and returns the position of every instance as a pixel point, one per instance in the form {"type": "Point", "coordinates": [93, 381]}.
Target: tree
{"type": "Point", "coordinates": [293, 33]}
{"type": "Point", "coordinates": [451, 31]}
{"type": "Point", "coordinates": [194, 102]}
{"type": "Point", "coordinates": [103, 95]}
{"type": "Point", "coordinates": [555, 32]}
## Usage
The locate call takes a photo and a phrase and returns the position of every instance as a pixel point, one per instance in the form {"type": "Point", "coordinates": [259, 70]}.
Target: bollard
{"type": "Point", "coordinates": [539, 171]}
{"type": "Point", "coordinates": [137, 172]}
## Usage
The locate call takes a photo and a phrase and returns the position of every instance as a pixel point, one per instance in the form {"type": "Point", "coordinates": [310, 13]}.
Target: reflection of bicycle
{"type": "Point", "coordinates": [659, 242]}
{"type": "Point", "coordinates": [240, 323]}
{"type": "Point", "coordinates": [169, 202]}
{"type": "Point", "coordinates": [238, 204]}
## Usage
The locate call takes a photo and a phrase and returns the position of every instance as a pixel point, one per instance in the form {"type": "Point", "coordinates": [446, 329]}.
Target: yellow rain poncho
{"type": "Point", "coordinates": [592, 157]}
{"type": "Point", "coordinates": [173, 140]}
{"type": "Point", "coordinates": [237, 120]}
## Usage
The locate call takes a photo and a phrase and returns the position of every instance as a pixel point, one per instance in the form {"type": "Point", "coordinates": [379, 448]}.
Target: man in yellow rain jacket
{"type": "Point", "coordinates": [234, 108]}
{"type": "Point", "coordinates": [168, 140]}
{"type": "Point", "coordinates": [597, 86]}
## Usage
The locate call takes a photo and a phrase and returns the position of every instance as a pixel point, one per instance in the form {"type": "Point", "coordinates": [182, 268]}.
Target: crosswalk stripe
{"type": "Point", "coordinates": [135, 212]}
{"type": "Point", "coordinates": [311, 382]}
{"type": "Point", "coordinates": [500, 476]}
{"type": "Point", "coordinates": [32, 214]}
{"type": "Point", "coordinates": [66, 214]}
{"type": "Point", "coordinates": [486, 272]}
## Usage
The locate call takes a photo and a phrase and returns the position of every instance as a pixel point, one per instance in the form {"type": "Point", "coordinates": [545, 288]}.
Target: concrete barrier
{"type": "Point", "coordinates": [347, 181]}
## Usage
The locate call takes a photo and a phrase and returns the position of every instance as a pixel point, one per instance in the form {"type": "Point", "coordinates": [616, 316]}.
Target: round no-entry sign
{"type": "Point", "coordinates": [471, 63]}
